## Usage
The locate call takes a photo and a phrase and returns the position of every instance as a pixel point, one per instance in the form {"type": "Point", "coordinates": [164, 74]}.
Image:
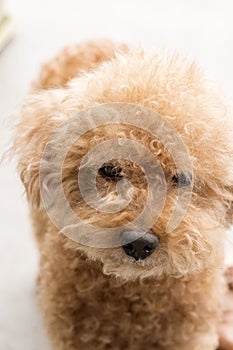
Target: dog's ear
{"type": "Point", "coordinates": [39, 117]}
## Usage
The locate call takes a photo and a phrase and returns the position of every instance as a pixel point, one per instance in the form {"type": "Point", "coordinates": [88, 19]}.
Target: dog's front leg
{"type": "Point", "coordinates": [57, 295]}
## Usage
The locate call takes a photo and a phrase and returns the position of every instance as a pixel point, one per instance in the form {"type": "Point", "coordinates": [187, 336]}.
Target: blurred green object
{"type": "Point", "coordinates": [7, 27]}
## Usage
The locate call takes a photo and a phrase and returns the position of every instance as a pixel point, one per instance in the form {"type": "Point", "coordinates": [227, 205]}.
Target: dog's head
{"type": "Point", "coordinates": [190, 162]}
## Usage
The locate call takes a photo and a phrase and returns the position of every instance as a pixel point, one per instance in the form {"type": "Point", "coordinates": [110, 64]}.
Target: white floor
{"type": "Point", "coordinates": [200, 29]}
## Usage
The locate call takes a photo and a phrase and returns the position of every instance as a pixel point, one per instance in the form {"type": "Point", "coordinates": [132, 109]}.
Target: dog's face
{"type": "Point", "coordinates": [183, 98]}
{"type": "Point", "coordinates": [197, 242]}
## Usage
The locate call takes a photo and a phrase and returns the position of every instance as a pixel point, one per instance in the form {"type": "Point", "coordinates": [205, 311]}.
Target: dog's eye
{"type": "Point", "coordinates": [111, 172]}
{"type": "Point", "coordinates": [182, 179]}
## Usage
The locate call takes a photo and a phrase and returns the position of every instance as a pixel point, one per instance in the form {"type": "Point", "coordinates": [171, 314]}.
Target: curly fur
{"type": "Point", "coordinates": [95, 298]}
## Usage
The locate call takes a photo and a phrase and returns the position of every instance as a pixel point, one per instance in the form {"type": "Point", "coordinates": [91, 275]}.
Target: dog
{"type": "Point", "coordinates": [158, 288]}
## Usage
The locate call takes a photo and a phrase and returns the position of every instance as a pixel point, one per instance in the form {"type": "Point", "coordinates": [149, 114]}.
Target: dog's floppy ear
{"type": "Point", "coordinates": [39, 117]}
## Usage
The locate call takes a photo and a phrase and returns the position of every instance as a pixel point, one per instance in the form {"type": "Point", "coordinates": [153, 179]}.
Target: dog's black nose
{"type": "Point", "coordinates": [137, 244]}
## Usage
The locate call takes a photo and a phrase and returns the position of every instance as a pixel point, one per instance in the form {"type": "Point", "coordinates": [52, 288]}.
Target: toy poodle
{"type": "Point", "coordinates": [121, 277]}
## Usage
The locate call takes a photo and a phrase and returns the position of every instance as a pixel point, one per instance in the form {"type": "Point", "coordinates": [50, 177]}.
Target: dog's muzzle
{"type": "Point", "coordinates": [140, 245]}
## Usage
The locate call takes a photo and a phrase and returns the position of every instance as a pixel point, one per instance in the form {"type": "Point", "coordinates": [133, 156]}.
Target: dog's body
{"type": "Point", "coordinates": [95, 298]}
{"type": "Point", "coordinates": [85, 309]}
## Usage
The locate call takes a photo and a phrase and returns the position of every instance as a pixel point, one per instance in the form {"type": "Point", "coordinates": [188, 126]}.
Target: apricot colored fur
{"type": "Point", "coordinates": [99, 298]}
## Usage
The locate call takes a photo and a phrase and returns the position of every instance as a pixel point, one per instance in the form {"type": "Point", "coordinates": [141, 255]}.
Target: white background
{"type": "Point", "coordinates": [201, 29]}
